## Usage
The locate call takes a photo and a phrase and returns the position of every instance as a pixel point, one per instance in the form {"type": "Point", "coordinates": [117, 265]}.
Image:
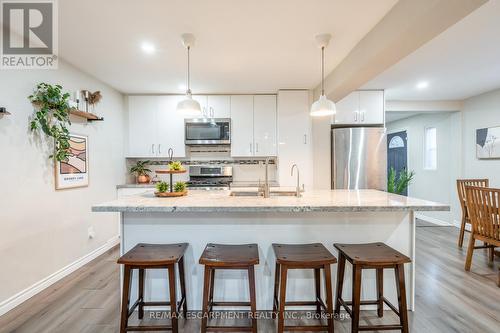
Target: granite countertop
{"type": "Point", "coordinates": [233, 185]}
{"type": "Point", "coordinates": [311, 201]}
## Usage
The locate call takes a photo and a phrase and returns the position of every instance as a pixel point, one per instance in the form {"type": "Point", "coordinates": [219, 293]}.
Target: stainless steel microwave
{"type": "Point", "coordinates": [207, 131]}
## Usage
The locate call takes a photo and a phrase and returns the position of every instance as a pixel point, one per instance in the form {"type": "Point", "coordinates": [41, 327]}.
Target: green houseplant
{"type": "Point", "coordinates": [175, 165]}
{"type": "Point", "coordinates": [141, 172]}
{"type": "Point", "coordinates": [399, 183]}
{"type": "Point", "coordinates": [179, 187]}
{"type": "Point", "coordinates": [162, 187]}
{"type": "Point", "coordinates": [52, 117]}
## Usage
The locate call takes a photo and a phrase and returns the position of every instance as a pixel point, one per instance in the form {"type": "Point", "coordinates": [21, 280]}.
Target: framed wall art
{"type": "Point", "coordinates": [74, 172]}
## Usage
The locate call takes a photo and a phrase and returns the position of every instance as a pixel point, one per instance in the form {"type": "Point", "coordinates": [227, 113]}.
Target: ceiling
{"type": "Point", "coordinates": [461, 62]}
{"type": "Point", "coordinates": [242, 46]}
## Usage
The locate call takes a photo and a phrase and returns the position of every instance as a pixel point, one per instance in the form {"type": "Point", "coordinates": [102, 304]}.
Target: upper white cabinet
{"type": "Point", "coordinates": [361, 107]}
{"type": "Point", "coordinates": [219, 106]}
{"type": "Point", "coordinates": [214, 106]}
{"type": "Point", "coordinates": [154, 126]}
{"type": "Point", "coordinates": [253, 120]}
{"type": "Point", "coordinates": [242, 144]}
{"type": "Point", "coordinates": [294, 137]}
{"type": "Point", "coordinates": [264, 125]}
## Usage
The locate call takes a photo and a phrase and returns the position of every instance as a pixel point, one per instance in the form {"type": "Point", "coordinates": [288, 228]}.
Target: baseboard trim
{"type": "Point", "coordinates": [24, 295]}
{"type": "Point", "coordinates": [433, 220]}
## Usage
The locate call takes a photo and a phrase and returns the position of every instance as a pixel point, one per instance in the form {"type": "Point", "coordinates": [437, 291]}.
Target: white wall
{"type": "Point", "coordinates": [44, 230]}
{"type": "Point", "coordinates": [436, 185]}
{"type": "Point", "coordinates": [480, 112]}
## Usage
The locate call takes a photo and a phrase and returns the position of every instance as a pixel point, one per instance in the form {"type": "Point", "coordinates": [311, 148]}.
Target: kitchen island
{"type": "Point", "coordinates": [337, 216]}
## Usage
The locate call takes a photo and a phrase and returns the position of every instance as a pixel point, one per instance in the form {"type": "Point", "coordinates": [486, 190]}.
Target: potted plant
{"type": "Point", "coordinates": [162, 187]}
{"type": "Point", "coordinates": [175, 166]}
{"type": "Point", "coordinates": [141, 172]}
{"type": "Point", "coordinates": [51, 117]}
{"type": "Point", "coordinates": [180, 187]}
{"type": "Point", "coordinates": [398, 184]}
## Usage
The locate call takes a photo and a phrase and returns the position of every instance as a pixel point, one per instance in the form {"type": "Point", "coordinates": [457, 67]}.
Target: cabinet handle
{"type": "Point", "coordinates": [251, 151]}
{"type": "Point", "coordinates": [159, 148]}
{"type": "Point", "coordinates": [363, 115]}
{"type": "Point", "coordinates": [355, 115]}
{"type": "Point", "coordinates": [305, 139]}
{"type": "Point", "coordinates": [256, 147]}
{"type": "Point", "coordinates": [153, 148]}
{"type": "Point", "coordinates": [212, 112]}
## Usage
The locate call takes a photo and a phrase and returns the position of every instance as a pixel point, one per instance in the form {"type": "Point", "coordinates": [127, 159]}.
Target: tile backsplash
{"type": "Point", "coordinates": [244, 170]}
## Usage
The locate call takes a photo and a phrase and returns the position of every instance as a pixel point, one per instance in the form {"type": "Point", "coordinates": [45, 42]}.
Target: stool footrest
{"type": "Point", "coordinates": [229, 328]}
{"type": "Point", "coordinates": [346, 305]}
{"type": "Point", "coordinates": [149, 328]}
{"type": "Point", "coordinates": [380, 328]}
{"type": "Point", "coordinates": [229, 304]}
{"type": "Point", "coordinates": [156, 303]}
{"type": "Point", "coordinates": [319, 328]}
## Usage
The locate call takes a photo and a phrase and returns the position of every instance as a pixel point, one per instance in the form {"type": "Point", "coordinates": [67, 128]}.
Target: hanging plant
{"type": "Point", "coordinates": [52, 117]}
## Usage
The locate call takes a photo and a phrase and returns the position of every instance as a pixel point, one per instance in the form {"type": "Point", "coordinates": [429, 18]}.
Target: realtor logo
{"type": "Point", "coordinates": [29, 34]}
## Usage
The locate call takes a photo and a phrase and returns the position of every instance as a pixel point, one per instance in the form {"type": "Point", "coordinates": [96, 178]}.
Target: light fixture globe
{"type": "Point", "coordinates": [189, 106]}
{"type": "Point", "coordinates": [323, 107]}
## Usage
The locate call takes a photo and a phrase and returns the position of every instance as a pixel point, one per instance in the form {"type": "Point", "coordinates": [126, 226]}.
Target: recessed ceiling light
{"type": "Point", "coordinates": [148, 48]}
{"type": "Point", "coordinates": [422, 85]}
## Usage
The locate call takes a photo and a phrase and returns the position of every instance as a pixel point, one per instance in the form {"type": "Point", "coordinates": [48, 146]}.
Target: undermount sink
{"type": "Point", "coordinates": [260, 194]}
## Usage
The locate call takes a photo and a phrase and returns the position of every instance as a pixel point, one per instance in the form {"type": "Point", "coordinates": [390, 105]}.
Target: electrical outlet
{"type": "Point", "coordinates": [91, 232]}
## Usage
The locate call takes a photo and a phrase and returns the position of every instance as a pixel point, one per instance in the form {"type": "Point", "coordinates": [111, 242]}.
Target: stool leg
{"type": "Point", "coordinates": [276, 289]}
{"type": "Point", "coordinates": [317, 285]}
{"type": "Point", "coordinates": [380, 292]}
{"type": "Point", "coordinates": [141, 293]}
{"type": "Point", "coordinates": [212, 286]}
{"type": "Point", "coordinates": [329, 297]}
{"type": "Point", "coordinates": [401, 289]}
{"type": "Point", "coordinates": [183, 286]}
{"type": "Point", "coordinates": [356, 297]}
{"type": "Point", "coordinates": [206, 290]}
{"type": "Point", "coordinates": [340, 283]}
{"type": "Point", "coordinates": [173, 298]}
{"type": "Point", "coordinates": [281, 315]}
{"type": "Point", "coordinates": [125, 299]}
{"type": "Point", "coordinates": [253, 301]}
{"type": "Point", "coordinates": [462, 232]}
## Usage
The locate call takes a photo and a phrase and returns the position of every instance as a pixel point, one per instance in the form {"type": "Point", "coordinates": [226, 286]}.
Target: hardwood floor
{"type": "Point", "coordinates": [448, 298]}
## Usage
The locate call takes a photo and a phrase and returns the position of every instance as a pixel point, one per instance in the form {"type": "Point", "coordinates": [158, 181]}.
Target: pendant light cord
{"type": "Point", "coordinates": [188, 74]}
{"type": "Point", "coordinates": [322, 70]}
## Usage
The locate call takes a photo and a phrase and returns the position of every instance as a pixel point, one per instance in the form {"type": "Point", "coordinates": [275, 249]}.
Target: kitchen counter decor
{"type": "Point", "coordinates": [174, 167]}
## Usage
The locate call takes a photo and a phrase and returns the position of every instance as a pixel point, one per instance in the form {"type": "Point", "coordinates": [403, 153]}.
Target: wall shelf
{"type": "Point", "coordinates": [87, 115]}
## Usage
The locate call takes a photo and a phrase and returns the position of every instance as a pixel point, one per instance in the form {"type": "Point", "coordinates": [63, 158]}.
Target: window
{"type": "Point", "coordinates": [430, 149]}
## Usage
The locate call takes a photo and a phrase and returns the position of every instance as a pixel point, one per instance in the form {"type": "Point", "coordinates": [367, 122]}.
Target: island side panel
{"type": "Point", "coordinates": [397, 229]}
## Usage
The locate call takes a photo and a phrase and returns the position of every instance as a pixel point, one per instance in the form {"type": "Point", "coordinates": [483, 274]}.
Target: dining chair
{"type": "Point", "coordinates": [461, 184]}
{"type": "Point", "coordinates": [483, 205]}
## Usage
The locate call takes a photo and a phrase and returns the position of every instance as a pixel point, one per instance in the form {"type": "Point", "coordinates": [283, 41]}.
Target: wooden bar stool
{"type": "Point", "coordinates": [153, 256]}
{"type": "Point", "coordinates": [303, 256]}
{"type": "Point", "coordinates": [372, 256]}
{"type": "Point", "coordinates": [218, 256]}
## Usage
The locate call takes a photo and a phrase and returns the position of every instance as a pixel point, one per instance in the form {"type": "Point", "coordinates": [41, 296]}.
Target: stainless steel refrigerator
{"type": "Point", "coordinates": [359, 158]}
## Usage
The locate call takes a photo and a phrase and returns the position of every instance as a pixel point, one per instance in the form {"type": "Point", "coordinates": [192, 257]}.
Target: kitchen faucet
{"type": "Point", "coordinates": [297, 189]}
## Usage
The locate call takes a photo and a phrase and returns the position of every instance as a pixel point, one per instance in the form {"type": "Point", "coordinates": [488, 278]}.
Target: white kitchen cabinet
{"type": "Point", "coordinates": [371, 107]}
{"type": "Point", "coordinates": [154, 126]}
{"type": "Point", "coordinates": [361, 107]}
{"type": "Point", "coordinates": [219, 106]}
{"type": "Point", "coordinates": [242, 140]}
{"type": "Point", "coordinates": [142, 125]}
{"type": "Point", "coordinates": [170, 127]}
{"type": "Point", "coordinates": [294, 137]}
{"type": "Point", "coordinates": [264, 125]}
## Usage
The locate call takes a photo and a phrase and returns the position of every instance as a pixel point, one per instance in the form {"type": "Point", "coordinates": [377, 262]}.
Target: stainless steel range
{"type": "Point", "coordinates": [210, 177]}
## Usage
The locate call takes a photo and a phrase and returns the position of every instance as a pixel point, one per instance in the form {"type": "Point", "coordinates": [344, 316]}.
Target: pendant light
{"type": "Point", "coordinates": [323, 106]}
{"type": "Point", "coordinates": [189, 106]}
